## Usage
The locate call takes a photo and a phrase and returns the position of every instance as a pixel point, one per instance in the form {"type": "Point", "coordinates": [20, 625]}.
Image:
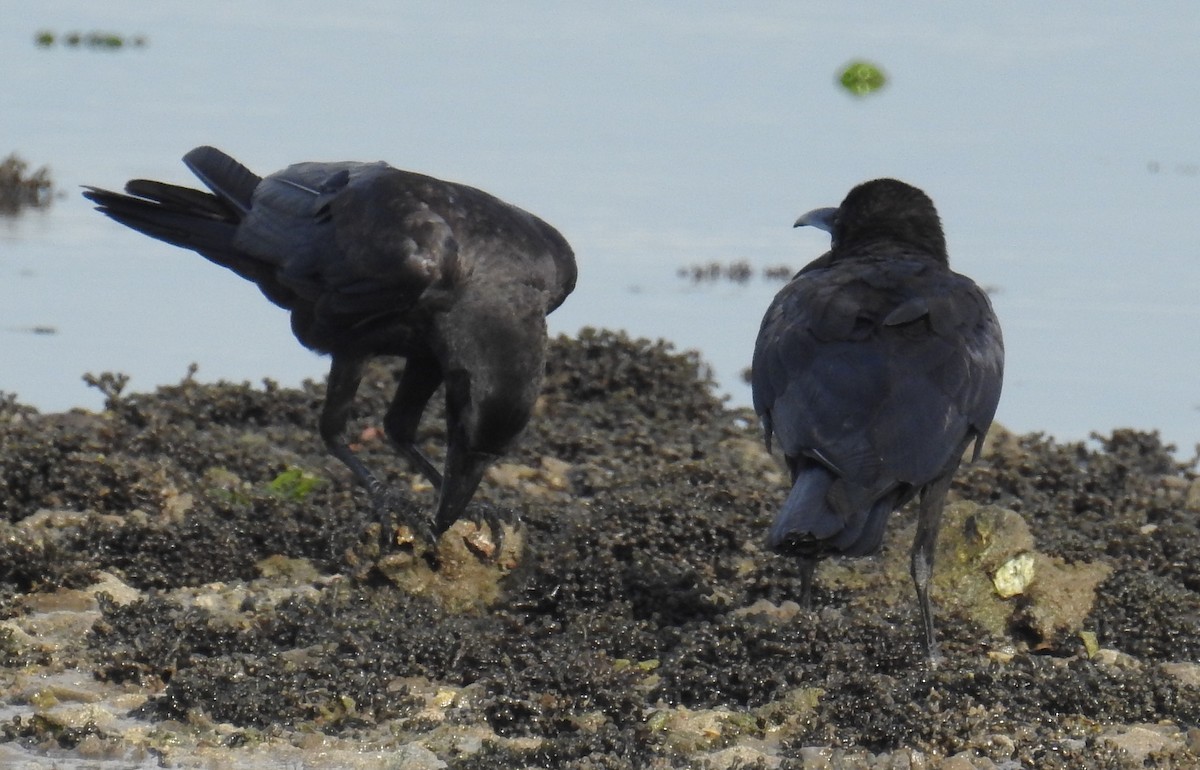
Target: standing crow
{"type": "Point", "coordinates": [372, 260]}
{"type": "Point", "coordinates": [875, 368]}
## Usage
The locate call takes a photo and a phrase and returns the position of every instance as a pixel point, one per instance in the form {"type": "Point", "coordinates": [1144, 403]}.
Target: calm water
{"type": "Point", "coordinates": [1059, 142]}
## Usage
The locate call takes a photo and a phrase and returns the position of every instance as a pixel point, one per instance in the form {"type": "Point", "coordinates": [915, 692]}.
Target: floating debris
{"type": "Point", "coordinates": [702, 273]}
{"type": "Point", "coordinates": [96, 40]}
{"type": "Point", "coordinates": [20, 189]}
{"type": "Point", "coordinates": [1180, 168]}
{"type": "Point", "coordinates": [779, 273]}
{"type": "Point", "coordinates": [735, 272]}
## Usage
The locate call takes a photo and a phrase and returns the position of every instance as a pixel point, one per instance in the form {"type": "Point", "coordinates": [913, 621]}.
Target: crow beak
{"type": "Point", "coordinates": [821, 219]}
{"type": "Point", "coordinates": [462, 473]}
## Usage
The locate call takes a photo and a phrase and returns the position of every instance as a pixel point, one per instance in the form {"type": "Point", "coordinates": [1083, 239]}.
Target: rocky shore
{"type": "Point", "coordinates": [188, 580]}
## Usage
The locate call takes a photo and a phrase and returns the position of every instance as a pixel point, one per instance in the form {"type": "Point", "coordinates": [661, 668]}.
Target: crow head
{"type": "Point", "coordinates": [493, 351]}
{"type": "Point", "coordinates": [882, 209]}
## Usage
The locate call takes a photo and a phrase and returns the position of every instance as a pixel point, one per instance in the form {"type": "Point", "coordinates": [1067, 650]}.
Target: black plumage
{"type": "Point", "coordinates": [371, 261]}
{"type": "Point", "coordinates": [875, 369]}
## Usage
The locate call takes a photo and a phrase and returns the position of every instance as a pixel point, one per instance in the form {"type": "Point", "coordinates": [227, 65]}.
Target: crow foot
{"type": "Point", "coordinates": [400, 524]}
{"type": "Point", "coordinates": [489, 545]}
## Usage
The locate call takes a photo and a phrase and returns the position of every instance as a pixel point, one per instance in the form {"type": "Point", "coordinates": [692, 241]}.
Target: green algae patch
{"type": "Point", "coordinates": [862, 78]}
{"type": "Point", "coordinates": [294, 484]}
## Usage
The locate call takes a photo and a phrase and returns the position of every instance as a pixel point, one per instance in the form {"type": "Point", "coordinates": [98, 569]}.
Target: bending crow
{"type": "Point", "coordinates": [371, 261]}
{"type": "Point", "coordinates": [876, 367]}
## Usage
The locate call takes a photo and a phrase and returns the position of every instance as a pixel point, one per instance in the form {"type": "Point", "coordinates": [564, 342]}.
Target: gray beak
{"type": "Point", "coordinates": [821, 219]}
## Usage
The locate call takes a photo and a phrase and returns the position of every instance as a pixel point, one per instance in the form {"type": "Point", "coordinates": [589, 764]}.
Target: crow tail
{"type": "Point", "coordinates": [203, 222]}
{"type": "Point", "coordinates": [809, 525]}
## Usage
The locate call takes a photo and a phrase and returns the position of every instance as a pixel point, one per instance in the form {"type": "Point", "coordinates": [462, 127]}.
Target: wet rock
{"type": "Point", "coordinates": [279, 567]}
{"type": "Point", "coordinates": [685, 731]}
{"type": "Point", "coordinates": [468, 570]}
{"type": "Point", "coordinates": [1138, 742]}
{"type": "Point", "coordinates": [114, 588]}
{"type": "Point", "coordinates": [1192, 500]}
{"type": "Point", "coordinates": [550, 477]}
{"type": "Point", "coordinates": [739, 757]}
{"type": "Point", "coordinates": [816, 758]}
{"type": "Point", "coordinates": [1013, 577]}
{"type": "Point", "coordinates": [787, 715]}
{"type": "Point", "coordinates": [784, 611]}
{"type": "Point", "coordinates": [988, 569]}
{"type": "Point", "coordinates": [967, 760]}
{"type": "Point", "coordinates": [1116, 659]}
{"type": "Point", "coordinates": [77, 716]}
{"type": "Point", "coordinates": [1187, 673]}
{"type": "Point", "coordinates": [1061, 596]}
{"type": "Point", "coordinates": [416, 757]}
{"type": "Point", "coordinates": [976, 543]}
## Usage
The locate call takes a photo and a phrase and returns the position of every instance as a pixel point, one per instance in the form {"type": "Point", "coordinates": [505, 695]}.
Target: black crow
{"type": "Point", "coordinates": [876, 367]}
{"type": "Point", "coordinates": [371, 261]}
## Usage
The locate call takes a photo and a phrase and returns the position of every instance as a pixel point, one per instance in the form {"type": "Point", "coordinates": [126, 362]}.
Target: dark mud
{"type": "Point", "coordinates": [240, 611]}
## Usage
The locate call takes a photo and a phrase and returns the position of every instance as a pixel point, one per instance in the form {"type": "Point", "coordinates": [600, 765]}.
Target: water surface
{"type": "Point", "coordinates": [1059, 143]}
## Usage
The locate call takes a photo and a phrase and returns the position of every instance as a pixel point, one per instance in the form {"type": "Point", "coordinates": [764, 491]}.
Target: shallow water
{"type": "Point", "coordinates": [1058, 142]}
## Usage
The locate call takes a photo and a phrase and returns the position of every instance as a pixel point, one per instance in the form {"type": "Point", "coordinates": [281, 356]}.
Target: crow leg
{"type": "Point", "coordinates": [933, 498]}
{"type": "Point", "coordinates": [808, 568]}
{"type": "Point", "coordinates": [344, 377]}
{"type": "Point", "coordinates": [345, 374]}
{"type": "Point", "coordinates": [420, 379]}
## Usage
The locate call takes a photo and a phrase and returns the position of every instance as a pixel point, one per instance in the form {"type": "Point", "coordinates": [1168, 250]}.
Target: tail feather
{"type": "Point", "coordinates": [867, 536]}
{"type": "Point", "coordinates": [190, 219]}
{"type": "Point", "coordinates": [231, 181]}
{"type": "Point", "coordinates": [181, 198]}
{"type": "Point", "coordinates": [207, 223]}
{"type": "Point", "coordinates": [808, 524]}
{"type": "Point", "coordinates": [806, 516]}
{"type": "Point", "coordinates": [168, 218]}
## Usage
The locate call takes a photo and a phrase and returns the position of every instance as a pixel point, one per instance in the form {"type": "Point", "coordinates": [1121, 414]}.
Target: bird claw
{"type": "Point", "coordinates": [495, 519]}
{"type": "Point", "coordinates": [385, 505]}
{"type": "Point", "coordinates": [394, 515]}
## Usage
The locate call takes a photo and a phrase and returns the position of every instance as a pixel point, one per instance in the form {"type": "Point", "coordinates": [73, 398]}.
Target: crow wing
{"type": "Point", "coordinates": [878, 368]}
{"type": "Point", "coordinates": [363, 244]}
